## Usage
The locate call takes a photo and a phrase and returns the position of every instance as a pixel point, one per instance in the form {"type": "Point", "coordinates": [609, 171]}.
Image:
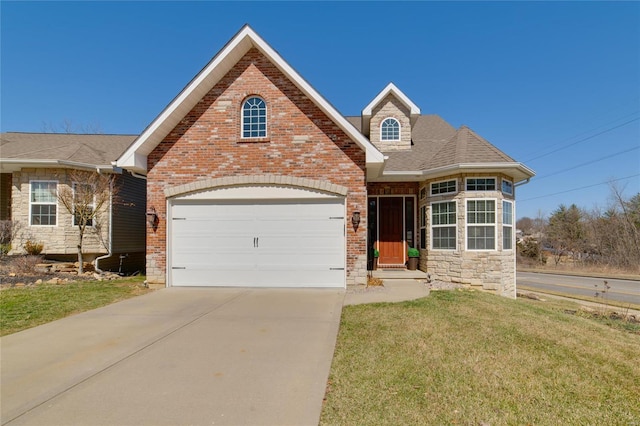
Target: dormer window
{"type": "Point", "coordinates": [390, 130]}
{"type": "Point", "coordinates": [254, 118]}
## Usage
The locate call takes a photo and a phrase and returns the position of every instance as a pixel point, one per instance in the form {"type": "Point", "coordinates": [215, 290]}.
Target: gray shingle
{"type": "Point", "coordinates": [81, 148]}
{"type": "Point", "coordinates": [435, 143]}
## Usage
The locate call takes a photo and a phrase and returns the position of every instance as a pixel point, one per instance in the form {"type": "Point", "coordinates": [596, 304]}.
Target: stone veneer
{"type": "Point", "coordinates": [61, 239]}
{"type": "Point", "coordinates": [390, 106]}
{"type": "Point", "coordinates": [492, 270]}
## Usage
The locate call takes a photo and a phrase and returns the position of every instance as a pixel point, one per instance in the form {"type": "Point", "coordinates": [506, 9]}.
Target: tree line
{"type": "Point", "coordinates": [608, 238]}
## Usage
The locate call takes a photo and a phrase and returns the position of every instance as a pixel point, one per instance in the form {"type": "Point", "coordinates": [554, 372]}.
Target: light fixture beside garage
{"type": "Point", "coordinates": [152, 218]}
{"type": "Point", "coordinates": [355, 219]}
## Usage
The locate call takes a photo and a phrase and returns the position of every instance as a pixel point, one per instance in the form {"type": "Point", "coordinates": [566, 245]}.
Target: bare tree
{"type": "Point", "coordinates": [86, 199]}
{"type": "Point", "coordinates": [68, 126]}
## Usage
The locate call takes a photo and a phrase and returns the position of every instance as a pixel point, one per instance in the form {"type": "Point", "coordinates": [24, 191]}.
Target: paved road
{"type": "Point", "coordinates": [626, 291]}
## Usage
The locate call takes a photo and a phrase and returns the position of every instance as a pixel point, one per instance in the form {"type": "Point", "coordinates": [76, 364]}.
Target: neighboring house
{"type": "Point", "coordinates": [34, 166]}
{"type": "Point", "coordinates": [254, 179]}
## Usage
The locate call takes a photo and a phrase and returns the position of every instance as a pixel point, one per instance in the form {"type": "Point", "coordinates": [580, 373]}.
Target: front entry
{"type": "Point", "coordinates": [391, 242]}
{"type": "Point", "coordinates": [391, 223]}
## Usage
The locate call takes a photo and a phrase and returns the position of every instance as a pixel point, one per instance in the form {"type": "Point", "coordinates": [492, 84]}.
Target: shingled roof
{"type": "Point", "coordinates": [437, 144]}
{"type": "Point", "coordinates": [94, 150]}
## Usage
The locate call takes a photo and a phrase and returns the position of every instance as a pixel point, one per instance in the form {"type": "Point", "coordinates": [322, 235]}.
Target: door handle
{"type": "Point", "coordinates": [257, 241]}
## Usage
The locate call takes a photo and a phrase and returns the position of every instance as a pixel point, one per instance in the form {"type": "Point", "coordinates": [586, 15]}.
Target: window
{"type": "Point", "coordinates": [446, 187]}
{"type": "Point", "coordinates": [423, 227]}
{"type": "Point", "coordinates": [507, 186]}
{"type": "Point", "coordinates": [507, 225]}
{"type": "Point", "coordinates": [481, 228]}
{"type": "Point", "coordinates": [481, 184]}
{"type": "Point", "coordinates": [254, 118]}
{"type": "Point", "coordinates": [83, 203]}
{"type": "Point", "coordinates": [44, 204]}
{"type": "Point", "coordinates": [390, 130]}
{"type": "Point", "coordinates": [443, 225]}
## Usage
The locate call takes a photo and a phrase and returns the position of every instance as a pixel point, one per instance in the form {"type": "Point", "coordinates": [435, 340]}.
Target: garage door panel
{"type": "Point", "coordinates": [265, 244]}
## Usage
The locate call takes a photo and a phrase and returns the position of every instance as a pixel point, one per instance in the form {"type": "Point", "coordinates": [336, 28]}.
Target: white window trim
{"type": "Point", "coordinates": [266, 114]}
{"type": "Point", "coordinates": [455, 191]}
{"type": "Point", "coordinates": [399, 130]}
{"type": "Point", "coordinates": [423, 224]}
{"type": "Point", "coordinates": [73, 216]}
{"type": "Point", "coordinates": [502, 189]}
{"type": "Point", "coordinates": [466, 225]}
{"type": "Point", "coordinates": [31, 203]}
{"type": "Point", "coordinates": [466, 182]}
{"type": "Point", "coordinates": [431, 226]}
{"type": "Point", "coordinates": [511, 225]}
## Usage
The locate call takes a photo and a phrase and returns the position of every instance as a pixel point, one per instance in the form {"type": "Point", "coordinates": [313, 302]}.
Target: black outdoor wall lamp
{"type": "Point", "coordinates": [355, 219]}
{"type": "Point", "coordinates": [152, 218]}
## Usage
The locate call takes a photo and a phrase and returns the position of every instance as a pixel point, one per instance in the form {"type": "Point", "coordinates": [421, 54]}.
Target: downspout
{"type": "Point", "coordinates": [109, 252]}
{"type": "Point", "coordinates": [522, 182]}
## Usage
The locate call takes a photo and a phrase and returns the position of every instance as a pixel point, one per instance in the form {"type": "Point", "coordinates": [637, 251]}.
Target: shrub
{"type": "Point", "coordinates": [5, 248]}
{"type": "Point", "coordinates": [25, 264]}
{"type": "Point", "coordinates": [413, 252]}
{"type": "Point", "coordinates": [33, 248]}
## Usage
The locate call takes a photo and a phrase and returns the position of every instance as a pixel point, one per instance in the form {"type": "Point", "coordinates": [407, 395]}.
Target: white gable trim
{"type": "Point", "coordinates": [391, 89]}
{"type": "Point", "coordinates": [135, 157]}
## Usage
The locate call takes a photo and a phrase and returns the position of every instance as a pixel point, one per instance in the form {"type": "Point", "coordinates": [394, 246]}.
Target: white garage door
{"type": "Point", "coordinates": [290, 243]}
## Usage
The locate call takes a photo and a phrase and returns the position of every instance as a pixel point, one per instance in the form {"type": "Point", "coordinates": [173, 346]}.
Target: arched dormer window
{"type": "Point", "coordinates": [390, 130]}
{"type": "Point", "coordinates": [254, 118]}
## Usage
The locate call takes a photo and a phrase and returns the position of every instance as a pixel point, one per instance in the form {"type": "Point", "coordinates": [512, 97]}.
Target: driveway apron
{"type": "Point", "coordinates": [182, 356]}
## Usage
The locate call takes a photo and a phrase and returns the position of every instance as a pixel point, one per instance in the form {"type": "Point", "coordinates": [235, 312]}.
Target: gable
{"type": "Point", "coordinates": [135, 158]}
{"type": "Point", "coordinates": [300, 137]}
{"type": "Point", "coordinates": [390, 91]}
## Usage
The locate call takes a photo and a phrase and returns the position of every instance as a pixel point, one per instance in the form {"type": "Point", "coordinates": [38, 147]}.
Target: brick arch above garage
{"type": "Point", "coordinates": [247, 180]}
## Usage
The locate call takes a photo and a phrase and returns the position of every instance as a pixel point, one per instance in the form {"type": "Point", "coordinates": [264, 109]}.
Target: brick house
{"type": "Point", "coordinates": [254, 179]}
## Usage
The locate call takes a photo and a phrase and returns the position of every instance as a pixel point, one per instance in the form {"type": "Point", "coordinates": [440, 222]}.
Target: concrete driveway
{"type": "Point", "coordinates": [177, 356]}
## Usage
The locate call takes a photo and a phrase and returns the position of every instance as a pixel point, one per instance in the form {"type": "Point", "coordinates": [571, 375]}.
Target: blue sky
{"type": "Point", "coordinates": [554, 85]}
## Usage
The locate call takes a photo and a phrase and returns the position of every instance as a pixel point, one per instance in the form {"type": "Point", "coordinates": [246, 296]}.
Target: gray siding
{"type": "Point", "coordinates": [131, 262]}
{"type": "Point", "coordinates": [5, 196]}
{"type": "Point", "coordinates": [129, 222]}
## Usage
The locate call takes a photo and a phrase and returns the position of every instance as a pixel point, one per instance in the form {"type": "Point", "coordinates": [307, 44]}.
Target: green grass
{"type": "Point", "coordinates": [22, 308]}
{"type": "Point", "coordinates": [470, 358]}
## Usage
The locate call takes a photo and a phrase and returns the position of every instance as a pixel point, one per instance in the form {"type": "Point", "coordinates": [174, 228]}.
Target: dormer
{"type": "Point", "coordinates": [389, 118]}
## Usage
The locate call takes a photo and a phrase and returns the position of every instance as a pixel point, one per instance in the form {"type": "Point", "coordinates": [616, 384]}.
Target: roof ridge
{"type": "Point", "coordinates": [70, 134]}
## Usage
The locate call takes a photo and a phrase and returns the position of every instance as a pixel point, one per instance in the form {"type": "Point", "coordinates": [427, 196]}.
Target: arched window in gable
{"type": "Point", "coordinates": [254, 118]}
{"type": "Point", "coordinates": [390, 130]}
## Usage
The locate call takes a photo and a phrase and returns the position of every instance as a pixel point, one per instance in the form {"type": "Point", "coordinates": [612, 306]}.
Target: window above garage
{"type": "Point", "coordinates": [254, 118]}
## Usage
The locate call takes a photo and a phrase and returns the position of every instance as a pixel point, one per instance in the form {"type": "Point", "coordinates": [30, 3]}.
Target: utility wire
{"type": "Point", "coordinates": [586, 132]}
{"type": "Point", "coordinates": [587, 163]}
{"type": "Point", "coordinates": [578, 189]}
{"type": "Point", "coordinates": [583, 139]}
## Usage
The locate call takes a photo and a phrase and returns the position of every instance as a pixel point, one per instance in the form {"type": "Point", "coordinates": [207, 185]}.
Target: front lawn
{"type": "Point", "coordinates": [26, 307]}
{"type": "Point", "coordinates": [471, 358]}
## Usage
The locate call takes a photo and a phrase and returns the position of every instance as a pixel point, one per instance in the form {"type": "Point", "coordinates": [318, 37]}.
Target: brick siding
{"type": "Point", "coordinates": [301, 142]}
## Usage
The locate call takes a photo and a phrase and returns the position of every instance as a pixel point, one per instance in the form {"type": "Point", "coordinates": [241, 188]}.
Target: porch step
{"type": "Point", "coordinates": [392, 274]}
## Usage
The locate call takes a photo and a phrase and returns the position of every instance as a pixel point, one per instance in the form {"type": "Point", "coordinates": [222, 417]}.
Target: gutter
{"type": "Point", "coordinates": [20, 162]}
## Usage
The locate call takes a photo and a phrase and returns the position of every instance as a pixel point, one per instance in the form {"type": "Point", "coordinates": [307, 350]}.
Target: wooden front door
{"type": "Point", "coordinates": [391, 243]}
